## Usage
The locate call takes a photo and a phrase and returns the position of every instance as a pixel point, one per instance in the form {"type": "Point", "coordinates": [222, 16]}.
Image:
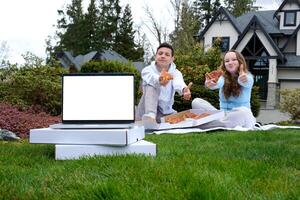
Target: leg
{"type": "Point", "coordinates": [241, 116]}
{"type": "Point", "coordinates": [147, 108]}
{"type": "Point", "coordinates": [148, 103]}
{"type": "Point", "coordinates": [199, 103]}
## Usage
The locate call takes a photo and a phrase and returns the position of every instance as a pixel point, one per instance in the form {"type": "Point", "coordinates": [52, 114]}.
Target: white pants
{"type": "Point", "coordinates": [148, 105]}
{"type": "Point", "coordinates": [240, 116]}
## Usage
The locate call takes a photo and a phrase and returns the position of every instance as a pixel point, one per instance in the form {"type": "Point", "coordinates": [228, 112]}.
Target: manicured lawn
{"type": "Point", "coordinates": [215, 165]}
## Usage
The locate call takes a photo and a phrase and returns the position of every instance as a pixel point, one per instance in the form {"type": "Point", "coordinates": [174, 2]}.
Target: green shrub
{"type": "Point", "coordinates": [193, 67]}
{"type": "Point", "coordinates": [197, 57]}
{"type": "Point", "coordinates": [33, 86]}
{"type": "Point", "coordinates": [290, 102]}
{"type": "Point", "coordinates": [196, 75]}
{"type": "Point", "coordinates": [113, 66]}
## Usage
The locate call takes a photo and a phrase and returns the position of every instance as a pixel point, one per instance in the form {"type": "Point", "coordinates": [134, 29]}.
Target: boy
{"type": "Point", "coordinates": [160, 81]}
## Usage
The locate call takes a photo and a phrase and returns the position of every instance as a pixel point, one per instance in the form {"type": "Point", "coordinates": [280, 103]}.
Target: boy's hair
{"type": "Point", "coordinates": [166, 45]}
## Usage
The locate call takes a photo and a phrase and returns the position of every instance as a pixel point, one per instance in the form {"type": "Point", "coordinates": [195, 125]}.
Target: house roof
{"type": "Point", "coordinates": [112, 55]}
{"type": "Point", "coordinates": [269, 23]}
{"type": "Point", "coordinates": [254, 21]}
{"type": "Point", "coordinates": [230, 17]}
{"type": "Point", "coordinates": [283, 4]}
{"type": "Point", "coordinates": [266, 18]}
{"type": "Point", "coordinates": [139, 65]}
{"type": "Point", "coordinates": [292, 61]}
{"type": "Point", "coordinates": [67, 58]}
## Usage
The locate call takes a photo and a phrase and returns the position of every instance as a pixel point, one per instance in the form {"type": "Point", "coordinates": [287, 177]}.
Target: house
{"type": "Point", "coordinates": [269, 41]}
{"type": "Point", "coordinates": [67, 60]}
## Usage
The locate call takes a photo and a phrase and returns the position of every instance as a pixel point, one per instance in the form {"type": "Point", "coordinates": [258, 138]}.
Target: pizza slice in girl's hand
{"type": "Point", "coordinates": [214, 75]}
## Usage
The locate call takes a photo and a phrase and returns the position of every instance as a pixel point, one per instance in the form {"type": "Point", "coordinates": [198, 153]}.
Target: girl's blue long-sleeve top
{"type": "Point", "coordinates": [235, 101]}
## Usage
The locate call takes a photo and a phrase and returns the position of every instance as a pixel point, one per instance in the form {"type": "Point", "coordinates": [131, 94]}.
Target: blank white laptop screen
{"type": "Point", "coordinates": [98, 98]}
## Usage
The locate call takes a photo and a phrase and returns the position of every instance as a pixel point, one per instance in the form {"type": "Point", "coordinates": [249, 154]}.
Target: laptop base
{"type": "Point", "coordinates": [90, 126]}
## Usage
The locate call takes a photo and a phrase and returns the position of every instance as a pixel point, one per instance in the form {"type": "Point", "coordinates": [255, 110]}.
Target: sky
{"type": "Point", "coordinates": [25, 25]}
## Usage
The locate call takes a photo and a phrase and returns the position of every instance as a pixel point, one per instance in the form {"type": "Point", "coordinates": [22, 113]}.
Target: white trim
{"type": "Point", "coordinates": [273, 71]}
{"type": "Point", "coordinates": [298, 43]}
{"type": "Point", "coordinates": [245, 41]}
{"type": "Point", "coordinates": [220, 29]}
{"type": "Point", "coordinates": [264, 40]}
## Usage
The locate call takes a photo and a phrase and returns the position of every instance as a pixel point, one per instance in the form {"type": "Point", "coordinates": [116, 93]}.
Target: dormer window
{"type": "Point", "coordinates": [290, 18]}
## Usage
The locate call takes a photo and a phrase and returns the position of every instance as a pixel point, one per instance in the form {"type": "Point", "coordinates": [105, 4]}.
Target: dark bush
{"type": "Point", "coordinates": [114, 67]}
{"type": "Point", "coordinates": [20, 122]}
{"type": "Point", "coordinates": [255, 103]}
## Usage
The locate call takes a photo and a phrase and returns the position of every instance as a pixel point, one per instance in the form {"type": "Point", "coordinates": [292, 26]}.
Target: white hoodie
{"type": "Point", "coordinates": [150, 76]}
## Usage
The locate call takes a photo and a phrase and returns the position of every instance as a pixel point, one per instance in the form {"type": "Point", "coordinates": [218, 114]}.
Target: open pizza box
{"type": "Point", "coordinates": [204, 117]}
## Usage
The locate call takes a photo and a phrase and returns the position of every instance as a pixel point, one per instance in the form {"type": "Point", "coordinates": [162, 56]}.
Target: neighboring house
{"type": "Point", "coordinates": [270, 42]}
{"type": "Point", "coordinates": [67, 60]}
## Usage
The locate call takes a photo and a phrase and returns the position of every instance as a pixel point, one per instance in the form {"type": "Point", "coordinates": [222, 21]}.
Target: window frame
{"type": "Point", "coordinates": [285, 18]}
{"type": "Point", "coordinates": [222, 43]}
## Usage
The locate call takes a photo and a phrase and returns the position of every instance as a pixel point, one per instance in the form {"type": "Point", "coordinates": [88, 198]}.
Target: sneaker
{"type": "Point", "coordinates": [149, 123]}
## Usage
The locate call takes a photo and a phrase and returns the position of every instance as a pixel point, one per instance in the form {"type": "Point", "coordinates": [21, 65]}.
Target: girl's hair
{"type": "Point", "coordinates": [231, 86]}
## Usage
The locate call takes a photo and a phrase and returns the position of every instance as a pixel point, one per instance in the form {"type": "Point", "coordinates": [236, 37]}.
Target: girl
{"type": "Point", "coordinates": [235, 87]}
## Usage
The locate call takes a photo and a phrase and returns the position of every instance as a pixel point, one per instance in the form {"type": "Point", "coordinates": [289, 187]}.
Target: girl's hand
{"type": "Point", "coordinates": [209, 82]}
{"type": "Point", "coordinates": [242, 75]}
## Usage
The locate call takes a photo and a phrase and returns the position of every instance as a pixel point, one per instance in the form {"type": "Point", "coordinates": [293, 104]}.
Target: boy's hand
{"type": "Point", "coordinates": [165, 77]}
{"type": "Point", "coordinates": [209, 82]}
{"type": "Point", "coordinates": [187, 92]}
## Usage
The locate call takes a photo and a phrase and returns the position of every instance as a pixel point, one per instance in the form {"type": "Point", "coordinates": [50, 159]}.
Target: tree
{"type": "Point", "coordinates": [157, 29]}
{"type": "Point", "coordinates": [124, 43]}
{"type": "Point", "coordinates": [239, 7]}
{"type": "Point", "coordinates": [182, 37]}
{"type": "Point", "coordinates": [101, 27]}
{"type": "Point", "coordinates": [70, 31]}
{"type": "Point", "coordinates": [177, 7]}
{"type": "Point", "coordinates": [4, 49]}
{"type": "Point", "coordinates": [91, 28]}
{"type": "Point", "coordinates": [74, 38]}
{"type": "Point", "coordinates": [205, 9]}
{"type": "Point", "coordinates": [109, 20]}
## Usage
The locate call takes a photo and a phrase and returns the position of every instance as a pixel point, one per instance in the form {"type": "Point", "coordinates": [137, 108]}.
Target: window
{"type": "Point", "coordinates": [222, 42]}
{"type": "Point", "coordinates": [290, 18]}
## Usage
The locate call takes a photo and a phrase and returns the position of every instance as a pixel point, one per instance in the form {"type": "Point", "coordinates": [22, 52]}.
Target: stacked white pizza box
{"type": "Point", "coordinates": [81, 142]}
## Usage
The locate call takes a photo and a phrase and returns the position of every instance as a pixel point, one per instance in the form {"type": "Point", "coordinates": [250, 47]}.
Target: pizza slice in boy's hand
{"type": "Point", "coordinates": [214, 75]}
{"type": "Point", "coordinates": [166, 76]}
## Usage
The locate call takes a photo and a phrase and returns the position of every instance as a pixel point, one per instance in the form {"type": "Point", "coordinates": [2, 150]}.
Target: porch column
{"type": "Point", "coordinates": [272, 84]}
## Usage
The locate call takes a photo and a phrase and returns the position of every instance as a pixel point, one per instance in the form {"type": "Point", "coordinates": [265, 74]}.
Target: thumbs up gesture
{"type": "Point", "coordinates": [187, 92]}
{"type": "Point", "coordinates": [242, 74]}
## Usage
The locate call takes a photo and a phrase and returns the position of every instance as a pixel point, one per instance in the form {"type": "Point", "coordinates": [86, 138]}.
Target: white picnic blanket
{"type": "Point", "coordinates": [237, 128]}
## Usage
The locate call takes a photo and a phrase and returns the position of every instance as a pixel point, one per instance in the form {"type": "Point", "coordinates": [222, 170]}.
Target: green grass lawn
{"type": "Point", "coordinates": [215, 165]}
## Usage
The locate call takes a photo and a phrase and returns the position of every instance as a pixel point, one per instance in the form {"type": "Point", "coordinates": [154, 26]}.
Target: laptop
{"type": "Point", "coordinates": [98, 100]}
